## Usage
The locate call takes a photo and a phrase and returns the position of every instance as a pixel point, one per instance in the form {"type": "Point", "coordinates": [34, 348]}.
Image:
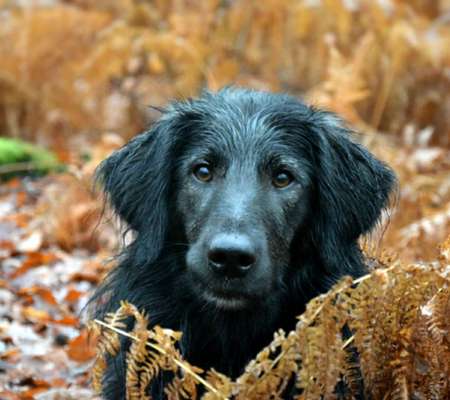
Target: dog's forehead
{"type": "Point", "coordinates": [245, 126]}
{"type": "Point", "coordinates": [238, 130]}
{"type": "Point", "coordinates": [239, 137]}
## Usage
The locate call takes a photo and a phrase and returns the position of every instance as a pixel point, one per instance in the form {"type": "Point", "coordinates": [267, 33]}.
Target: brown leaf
{"type": "Point", "coordinates": [85, 276]}
{"type": "Point", "coordinates": [82, 348]}
{"type": "Point", "coordinates": [67, 320]}
{"type": "Point", "coordinates": [44, 293]}
{"type": "Point", "coordinates": [37, 386]}
{"type": "Point", "coordinates": [73, 296]}
{"type": "Point", "coordinates": [35, 315]}
{"type": "Point", "coordinates": [32, 260]}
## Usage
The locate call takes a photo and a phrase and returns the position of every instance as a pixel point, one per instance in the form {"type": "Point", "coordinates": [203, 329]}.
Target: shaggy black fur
{"type": "Point", "coordinates": [244, 205]}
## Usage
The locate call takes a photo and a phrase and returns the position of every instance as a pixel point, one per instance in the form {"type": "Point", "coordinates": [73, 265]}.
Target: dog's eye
{"type": "Point", "coordinates": [203, 172]}
{"type": "Point", "coordinates": [281, 179]}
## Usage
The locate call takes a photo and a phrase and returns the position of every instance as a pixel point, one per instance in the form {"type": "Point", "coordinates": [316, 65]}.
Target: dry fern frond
{"type": "Point", "coordinates": [220, 381]}
{"type": "Point", "coordinates": [270, 371]}
{"type": "Point", "coordinates": [398, 318]}
{"type": "Point", "coordinates": [319, 328]}
{"type": "Point", "coordinates": [152, 351]}
{"type": "Point", "coordinates": [438, 312]}
{"type": "Point", "coordinates": [184, 387]}
{"type": "Point", "coordinates": [108, 344]}
{"type": "Point", "coordinates": [400, 390]}
{"type": "Point", "coordinates": [137, 362]}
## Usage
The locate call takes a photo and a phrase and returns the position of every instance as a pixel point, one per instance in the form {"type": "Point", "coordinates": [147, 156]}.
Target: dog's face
{"type": "Point", "coordinates": [243, 193]}
{"type": "Point", "coordinates": [249, 182]}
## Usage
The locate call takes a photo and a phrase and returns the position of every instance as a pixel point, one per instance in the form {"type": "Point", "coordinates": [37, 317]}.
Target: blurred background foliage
{"type": "Point", "coordinates": [78, 77]}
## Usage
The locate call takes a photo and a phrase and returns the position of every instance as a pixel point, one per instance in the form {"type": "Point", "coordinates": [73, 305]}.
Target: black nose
{"type": "Point", "coordinates": [231, 255]}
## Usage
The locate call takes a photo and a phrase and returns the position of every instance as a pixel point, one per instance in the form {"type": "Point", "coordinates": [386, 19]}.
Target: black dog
{"type": "Point", "coordinates": [245, 205]}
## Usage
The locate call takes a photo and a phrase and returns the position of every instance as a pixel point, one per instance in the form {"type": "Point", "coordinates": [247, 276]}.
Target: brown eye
{"type": "Point", "coordinates": [282, 179]}
{"type": "Point", "coordinates": [203, 173]}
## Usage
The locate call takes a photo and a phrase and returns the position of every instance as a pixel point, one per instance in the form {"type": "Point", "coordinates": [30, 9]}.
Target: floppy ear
{"type": "Point", "coordinates": [352, 185]}
{"type": "Point", "coordinates": [136, 180]}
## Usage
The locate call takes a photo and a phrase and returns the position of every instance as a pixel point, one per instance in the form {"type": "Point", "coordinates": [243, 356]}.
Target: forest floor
{"type": "Point", "coordinates": [45, 352]}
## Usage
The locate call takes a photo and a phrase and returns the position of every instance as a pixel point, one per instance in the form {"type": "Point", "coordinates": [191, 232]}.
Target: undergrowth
{"type": "Point", "coordinates": [398, 316]}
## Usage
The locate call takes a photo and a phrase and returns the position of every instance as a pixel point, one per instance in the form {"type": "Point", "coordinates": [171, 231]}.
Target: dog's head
{"type": "Point", "coordinates": [251, 185]}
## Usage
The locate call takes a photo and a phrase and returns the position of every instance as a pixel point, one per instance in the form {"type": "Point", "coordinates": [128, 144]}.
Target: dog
{"type": "Point", "coordinates": [244, 205]}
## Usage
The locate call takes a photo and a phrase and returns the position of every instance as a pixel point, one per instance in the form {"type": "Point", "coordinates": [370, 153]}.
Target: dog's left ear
{"type": "Point", "coordinates": [353, 186]}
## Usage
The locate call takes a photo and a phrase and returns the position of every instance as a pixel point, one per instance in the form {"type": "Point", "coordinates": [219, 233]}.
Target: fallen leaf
{"type": "Point", "coordinates": [7, 245]}
{"type": "Point", "coordinates": [34, 259]}
{"type": "Point", "coordinates": [4, 284]}
{"type": "Point", "coordinates": [10, 354]}
{"type": "Point", "coordinates": [58, 382]}
{"type": "Point", "coordinates": [85, 276]}
{"type": "Point", "coordinates": [20, 219]}
{"type": "Point", "coordinates": [82, 348]}
{"type": "Point", "coordinates": [44, 293]}
{"type": "Point", "coordinates": [73, 296]}
{"type": "Point", "coordinates": [67, 320]}
{"type": "Point", "coordinates": [37, 386]}
{"type": "Point", "coordinates": [14, 183]}
{"type": "Point", "coordinates": [35, 315]}
{"type": "Point", "coordinates": [21, 199]}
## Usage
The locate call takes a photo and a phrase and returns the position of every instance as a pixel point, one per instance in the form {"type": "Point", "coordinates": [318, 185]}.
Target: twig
{"type": "Point", "coordinates": [18, 167]}
{"type": "Point", "coordinates": [348, 341]}
{"type": "Point", "coordinates": [185, 367]}
{"type": "Point", "coordinates": [278, 358]}
{"type": "Point", "coordinates": [367, 276]}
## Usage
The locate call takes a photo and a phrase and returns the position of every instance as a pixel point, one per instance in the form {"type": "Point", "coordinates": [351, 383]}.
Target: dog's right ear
{"type": "Point", "coordinates": [136, 181]}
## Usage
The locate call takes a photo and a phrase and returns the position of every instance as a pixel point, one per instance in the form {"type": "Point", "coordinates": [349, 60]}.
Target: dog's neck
{"type": "Point", "coordinates": [227, 340]}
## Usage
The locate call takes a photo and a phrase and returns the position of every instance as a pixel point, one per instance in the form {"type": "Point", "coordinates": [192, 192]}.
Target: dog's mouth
{"type": "Point", "coordinates": [225, 300]}
{"type": "Point", "coordinates": [224, 297]}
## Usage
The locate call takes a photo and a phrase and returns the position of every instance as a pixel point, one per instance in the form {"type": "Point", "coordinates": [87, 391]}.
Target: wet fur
{"type": "Point", "coordinates": [344, 191]}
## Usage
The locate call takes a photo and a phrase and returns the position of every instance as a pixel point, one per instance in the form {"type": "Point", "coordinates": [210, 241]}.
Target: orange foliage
{"type": "Point", "coordinates": [81, 68]}
{"type": "Point", "coordinates": [94, 66]}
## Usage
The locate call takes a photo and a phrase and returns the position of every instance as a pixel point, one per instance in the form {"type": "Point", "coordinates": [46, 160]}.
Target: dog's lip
{"type": "Point", "coordinates": [226, 300]}
{"type": "Point", "coordinates": [227, 294]}
{"type": "Point", "coordinates": [224, 293]}
{"type": "Point", "coordinates": [214, 294]}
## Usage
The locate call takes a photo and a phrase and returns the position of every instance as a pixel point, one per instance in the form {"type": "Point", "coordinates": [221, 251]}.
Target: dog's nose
{"type": "Point", "coordinates": [231, 255]}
